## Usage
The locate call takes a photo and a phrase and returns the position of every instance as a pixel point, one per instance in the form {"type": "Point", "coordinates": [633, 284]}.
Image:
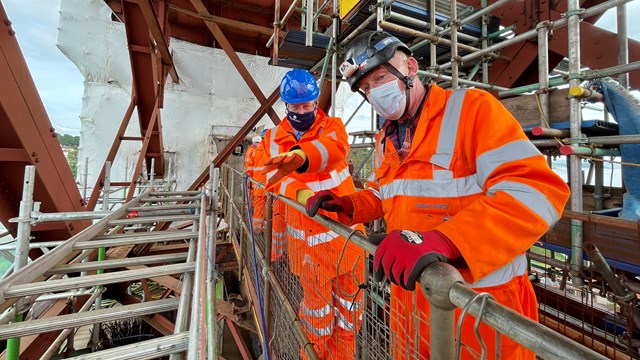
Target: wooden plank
{"type": "Point", "coordinates": [92, 280]}
{"type": "Point", "coordinates": [118, 263]}
{"type": "Point", "coordinates": [86, 318]}
{"type": "Point", "coordinates": [60, 254]}
{"type": "Point", "coordinates": [168, 249]}
{"type": "Point", "coordinates": [166, 281]}
{"type": "Point", "coordinates": [525, 108]}
{"type": "Point", "coordinates": [582, 338]}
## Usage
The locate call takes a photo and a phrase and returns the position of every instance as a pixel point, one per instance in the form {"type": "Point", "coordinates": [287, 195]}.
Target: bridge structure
{"type": "Point", "coordinates": [510, 48]}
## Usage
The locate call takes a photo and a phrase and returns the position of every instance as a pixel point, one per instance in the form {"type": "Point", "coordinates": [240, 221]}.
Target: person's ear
{"type": "Point", "coordinates": [412, 66]}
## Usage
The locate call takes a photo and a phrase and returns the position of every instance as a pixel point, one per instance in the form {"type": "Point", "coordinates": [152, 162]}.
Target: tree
{"type": "Point", "coordinates": [68, 140]}
{"type": "Point", "coordinates": [72, 159]}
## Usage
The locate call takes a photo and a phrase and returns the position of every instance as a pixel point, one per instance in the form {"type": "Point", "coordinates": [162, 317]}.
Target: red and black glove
{"type": "Point", "coordinates": [402, 255]}
{"type": "Point", "coordinates": [325, 199]}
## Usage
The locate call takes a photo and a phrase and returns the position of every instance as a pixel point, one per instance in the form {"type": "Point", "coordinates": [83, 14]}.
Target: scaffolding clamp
{"type": "Point", "coordinates": [580, 12]}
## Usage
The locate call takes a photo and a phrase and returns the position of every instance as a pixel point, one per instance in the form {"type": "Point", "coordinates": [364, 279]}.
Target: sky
{"type": "Point", "coordinates": [60, 84]}
{"type": "Point", "coordinates": [58, 80]}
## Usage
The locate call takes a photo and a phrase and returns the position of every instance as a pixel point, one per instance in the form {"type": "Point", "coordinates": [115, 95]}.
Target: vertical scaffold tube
{"type": "Point", "coordinates": [575, 162]}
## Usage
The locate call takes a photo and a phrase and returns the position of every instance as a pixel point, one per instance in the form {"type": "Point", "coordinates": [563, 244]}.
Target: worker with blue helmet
{"type": "Point", "coordinates": [299, 91]}
{"type": "Point", "coordinates": [307, 153]}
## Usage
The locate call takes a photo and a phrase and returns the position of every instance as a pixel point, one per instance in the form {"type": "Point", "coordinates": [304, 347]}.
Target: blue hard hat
{"type": "Point", "coordinates": [298, 86]}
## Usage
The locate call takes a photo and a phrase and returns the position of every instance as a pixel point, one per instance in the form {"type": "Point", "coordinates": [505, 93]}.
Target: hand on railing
{"type": "Point", "coordinates": [327, 200]}
{"type": "Point", "coordinates": [402, 255]}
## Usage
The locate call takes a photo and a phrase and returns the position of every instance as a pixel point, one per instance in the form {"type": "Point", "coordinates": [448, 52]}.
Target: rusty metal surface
{"type": "Point", "coordinates": [613, 236]}
{"type": "Point", "coordinates": [27, 137]}
{"type": "Point", "coordinates": [148, 83]}
{"type": "Point", "coordinates": [247, 24]}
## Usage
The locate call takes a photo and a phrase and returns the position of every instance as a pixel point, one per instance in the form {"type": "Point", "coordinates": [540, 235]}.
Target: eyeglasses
{"type": "Point", "coordinates": [302, 108]}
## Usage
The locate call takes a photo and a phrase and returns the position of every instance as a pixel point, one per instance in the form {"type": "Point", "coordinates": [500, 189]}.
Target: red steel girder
{"type": "Point", "coordinates": [235, 59]}
{"type": "Point", "coordinates": [157, 321]}
{"type": "Point", "coordinates": [148, 79]}
{"type": "Point", "coordinates": [144, 150]}
{"type": "Point", "coordinates": [159, 35]}
{"type": "Point", "coordinates": [28, 138]}
{"type": "Point", "coordinates": [599, 47]}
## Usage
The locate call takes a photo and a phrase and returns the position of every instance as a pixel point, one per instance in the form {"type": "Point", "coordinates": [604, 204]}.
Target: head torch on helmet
{"type": "Point", "coordinates": [368, 51]}
{"type": "Point", "coordinates": [348, 68]}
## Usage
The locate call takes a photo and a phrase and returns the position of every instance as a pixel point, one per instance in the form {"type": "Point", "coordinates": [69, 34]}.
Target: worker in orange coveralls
{"type": "Point", "coordinates": [307, 153]}
{"type": "Point", "coordinates": [456, 180]}
{"type": "Point", "coordinates": [252, 166]}
{"type": "Point", "coordinates": [259, 202]}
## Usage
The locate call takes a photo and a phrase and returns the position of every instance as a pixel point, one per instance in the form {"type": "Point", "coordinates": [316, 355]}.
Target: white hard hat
{"type": "Point", "coordinates": [256, 139]}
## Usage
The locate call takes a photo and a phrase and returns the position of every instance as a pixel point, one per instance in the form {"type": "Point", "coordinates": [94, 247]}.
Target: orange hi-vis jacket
{"type": "Point", "coordinates": [329, 270]}
{"type": "Point", "coordinates": [259, 202]}
{"type": "Point", "coordinates": [253, 164]}
{"type": "Point", "coordinates": [471, 174]}
{"type": "Point", "coordinates": [248, 156]}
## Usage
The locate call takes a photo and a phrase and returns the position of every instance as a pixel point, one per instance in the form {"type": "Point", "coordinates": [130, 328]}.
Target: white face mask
{"type": "Point", "coordinates": [388, 100]}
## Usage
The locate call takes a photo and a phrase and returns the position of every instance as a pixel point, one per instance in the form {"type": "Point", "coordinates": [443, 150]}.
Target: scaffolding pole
{"type": "Point", "coordinates": [575, 162]}
{"type": "Point", "coordinates": [455, 60]}
{"type": "Point", "coordinates": [594, 10]}
{"type": "Point", "coordinates": [543, 72]}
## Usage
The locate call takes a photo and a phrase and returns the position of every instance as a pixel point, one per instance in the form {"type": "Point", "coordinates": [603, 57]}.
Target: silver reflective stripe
{"type": "Point", "coordinates": [322, 312]}
{"type": "Point", "coordinates": [325, 331]}
{"type": "Point", "coordinates": [279, 244]}
{"type": "Point", "coordinates": [435, 188]}
{"type": "Point", "coordinates": [346, 304]}
{"type": "Point", "coordinates": [296, 233]}
{"type": "Point", "coordinates": [279, 238]}
{"type": "Point", "coordinates": [270, 174]}
{"type": "Point", "coordinates": [379, 153]}
{"type": "Point", "coordinates": [324, 154]}
{"type": "Point", "coordinates": [336, 179]}
{"type": "Point", "coordinates": [530, 197]}
{"type": "Point", "coordinates": [375, 192]}
{"type": "Point", "coordinates": [332, 135]}
{"type": "Point", "coordinates": [284, 184]}
{"type": "Point", "coordinates": [321, 238]}
{"type": "Point", "coordinates": [325, 237]}
{"type": "Point", "coordinates": [439, 174]}
{"type": "Point", "coordinates": [315, 239]}
{"type": "Point", "coordinates": [490, 160]}
{"type": "Point", "coordinates": [449, 129]}
{"type": "Point", "coordinates": [255, 168]}
{"type": "Point", "coordinates": [274, 149]}
{"type": "Point", "coordinates": [343, 322]}
{"type": "Point", "coordinates": [503, 275]}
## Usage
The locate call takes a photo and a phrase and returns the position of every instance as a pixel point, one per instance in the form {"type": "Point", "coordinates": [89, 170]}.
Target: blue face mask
{"type": "Point", "coordinates": [301, 122]}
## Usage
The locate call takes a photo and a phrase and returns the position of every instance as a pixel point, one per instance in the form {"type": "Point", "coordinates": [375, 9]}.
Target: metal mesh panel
{"type": "Point", "coordinates": [283, 341]}
{"type": "Point", "coordinates": [588, 310]}
{"type": "Point", "coordinates": [309, 270]}
{"type": "Point", "coordinates": [316, 266]}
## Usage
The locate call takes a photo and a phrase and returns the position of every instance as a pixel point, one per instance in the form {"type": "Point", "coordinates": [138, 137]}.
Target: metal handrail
{"type": "Point", "coordinates": [446, 290]}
